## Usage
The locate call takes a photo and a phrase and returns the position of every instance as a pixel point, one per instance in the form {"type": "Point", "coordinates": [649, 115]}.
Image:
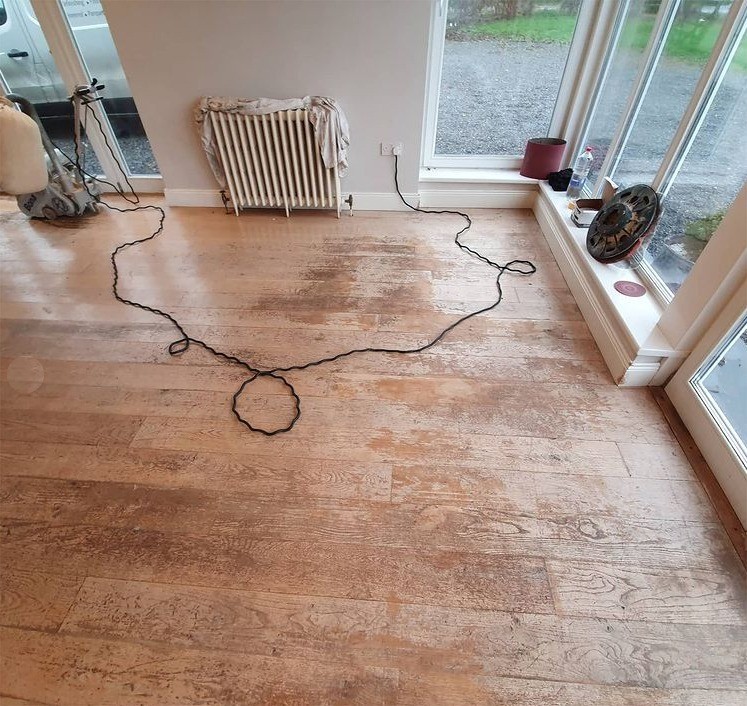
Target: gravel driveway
{"type": "Point", "coordinates": [494, 95]}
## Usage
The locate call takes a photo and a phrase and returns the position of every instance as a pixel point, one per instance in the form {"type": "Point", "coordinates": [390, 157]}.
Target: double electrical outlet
{"type": "Point", "coordinates": [390, 148]}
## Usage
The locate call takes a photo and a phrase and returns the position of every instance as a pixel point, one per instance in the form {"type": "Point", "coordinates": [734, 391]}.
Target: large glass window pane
{"type": "Point", "coordinates": [502, 66]}
{"type": "Point", "coordinates": [94, 40]}
{"type": "Point", "coordinates": [623, 66]}
{"type": "Point", "coordinates": [709, 180]}
{"type": "Point", "coordinates": [688, 46]}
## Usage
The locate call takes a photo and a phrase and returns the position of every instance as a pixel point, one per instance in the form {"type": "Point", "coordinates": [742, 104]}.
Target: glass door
{"type": "Point", "coordinates": [94, 41]}
{"type": "Point", "coordinates": [49, 48]}
{"type": "Point", "coordinates": [28, 69]}
{"type": "Point", "coordinates": [710, 394]}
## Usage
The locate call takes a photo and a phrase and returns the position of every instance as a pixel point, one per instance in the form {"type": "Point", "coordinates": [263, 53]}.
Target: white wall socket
{"type": "Point", "coordinates": [388, 148]}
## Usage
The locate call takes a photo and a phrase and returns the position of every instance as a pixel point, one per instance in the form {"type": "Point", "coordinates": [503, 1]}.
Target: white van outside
{"type": "Point", "coordinates": [28, 68]}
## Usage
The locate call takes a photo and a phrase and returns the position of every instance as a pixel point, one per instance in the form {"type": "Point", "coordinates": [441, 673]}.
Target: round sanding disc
{"type": "Point", "coordinates": [630, 289]}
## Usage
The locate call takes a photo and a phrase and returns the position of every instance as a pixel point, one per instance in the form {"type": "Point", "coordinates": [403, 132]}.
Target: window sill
{"type": "Point", "coordinates": [476, 188]}
{"type": "Point", "coordinates": [474, 176]}
{"type": "Point", "coordinates": [625, 328]}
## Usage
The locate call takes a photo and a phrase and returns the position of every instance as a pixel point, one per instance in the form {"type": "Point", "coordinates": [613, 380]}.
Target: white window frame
{"type": "Point", "coordinates": [711, 431]}
{"type": "Point", "coordinates": [705, 92]}
{"type": "Point", "coordinates": [727, 43]}
{"type": "Point", "coordinates": [565, 104]}
{"type": "Point", "coordinates": [651, 55]}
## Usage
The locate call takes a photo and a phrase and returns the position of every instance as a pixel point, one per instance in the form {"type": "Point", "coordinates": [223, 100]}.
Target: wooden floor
{"type": "Point", "coordinates": [493, 522]}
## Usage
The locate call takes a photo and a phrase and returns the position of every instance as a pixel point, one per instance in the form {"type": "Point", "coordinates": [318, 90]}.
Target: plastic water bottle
{"type": "Point", "coordinates": [580, 170]}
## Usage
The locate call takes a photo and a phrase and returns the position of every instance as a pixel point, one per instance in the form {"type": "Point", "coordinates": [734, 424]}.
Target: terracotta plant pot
{"type": "Point", "coordinates": [542, 156]}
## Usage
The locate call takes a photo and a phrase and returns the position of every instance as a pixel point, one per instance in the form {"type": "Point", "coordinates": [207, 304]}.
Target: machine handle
{"type": "Point", "coordinates": [15, 54]}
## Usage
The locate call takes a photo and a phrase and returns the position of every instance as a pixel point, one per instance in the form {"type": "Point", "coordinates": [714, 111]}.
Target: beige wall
{"type": "Point", "coordinates": [369, 54]}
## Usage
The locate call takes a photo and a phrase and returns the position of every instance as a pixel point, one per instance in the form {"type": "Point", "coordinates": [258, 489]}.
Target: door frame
{"type": "Point", "coordinates": [72, 69]}
{"type": "Point", "coordinates": [725, 462]}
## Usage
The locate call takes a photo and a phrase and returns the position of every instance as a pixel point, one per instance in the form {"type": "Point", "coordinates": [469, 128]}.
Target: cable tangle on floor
{"type": "Point", "coordinates": [182, 344]}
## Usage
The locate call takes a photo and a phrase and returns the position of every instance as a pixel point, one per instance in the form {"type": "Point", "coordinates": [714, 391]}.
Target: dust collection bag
{"type": "Point", "coordinates": [23, 167]}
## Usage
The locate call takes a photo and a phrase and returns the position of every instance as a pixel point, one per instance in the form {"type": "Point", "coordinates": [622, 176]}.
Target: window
{"type": "Point", "coordinates": [707, 182]}
{"type": "Point", "coordinates": [687, 48]}
{"type": "Point", "coordinates": [502, 63]}
{"type": "Point", "coordinates": [3, 13]}
{"type": "Point", "coordinates": [624, 64]}
{"type": "Point", "coordinates": [657, 88]}
{"type": "Point", "coordinates": [668, 111]}
{"type": "Point", "coordinates": [59, 45]}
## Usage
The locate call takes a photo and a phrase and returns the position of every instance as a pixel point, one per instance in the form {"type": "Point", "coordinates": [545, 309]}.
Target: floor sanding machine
{"type": "Point", "coordinates": [26, 158]}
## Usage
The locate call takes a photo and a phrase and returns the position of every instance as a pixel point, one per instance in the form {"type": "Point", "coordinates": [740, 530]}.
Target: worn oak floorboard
{"type": "Point", "coordinates": [90, 672]}
{"type": "Point", "coordinates": [540, 495]}
{"type": "Point", "coordinates": [202, 375]}
{"type": "Point", "coordinates": [36, 600]}
{"type": "Point", "coordinates": [312, 344]}
{"type": "Point", "coordinates": [416, 412]}
{"type": "Point", "coordinates": [342, 569]}
{"type": "Point", "coordinates": [449, 439]}
{"type": "Point", "coordinates": [261, 475]}
{"type": "Point", "coordinates": [456, 476]}
{"type": "Point", "coordinates": [485, 528]}
{"type": "Point", "coordinates": [284, 291]}
{"type": "Point", "coordinates": [493, 522]}
{"type": "Point", "coordinates": [433, 396]}
{"type": "Point", "coordinates": [422, 392]}
{"type": "Point", "coordinates": [392, 310]}
{"type": "Point", "coordinates": [411, 637]}
{"type": "Point", "coordinates": [500, 691]}
{"type": "Point", "coordinates": [94, 429]}
{"type": "Point", "coordinates": [684, 596]}
{"type": "Point", "coordinates": [546, 333]}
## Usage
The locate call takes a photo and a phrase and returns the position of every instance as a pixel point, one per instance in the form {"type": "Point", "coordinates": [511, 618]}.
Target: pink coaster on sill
{"type": "Point", "coordinates": [630, 289]}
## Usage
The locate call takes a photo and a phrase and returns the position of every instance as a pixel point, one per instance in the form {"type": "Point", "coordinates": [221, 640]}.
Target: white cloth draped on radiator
{"type": "Point", "coordinates": [329, 121]}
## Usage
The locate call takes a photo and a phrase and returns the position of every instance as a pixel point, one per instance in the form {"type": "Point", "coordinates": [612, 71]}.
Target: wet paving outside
{"type": "Point", "coordinates": [132, 142]}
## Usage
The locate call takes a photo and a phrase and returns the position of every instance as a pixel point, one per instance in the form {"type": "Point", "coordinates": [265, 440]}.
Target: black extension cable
{"type": "Point", "coordinates": [179, 346]}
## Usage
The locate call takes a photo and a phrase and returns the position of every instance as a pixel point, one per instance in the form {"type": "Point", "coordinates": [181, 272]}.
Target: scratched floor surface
{"type": "Point", "coordinates": [491, 522]}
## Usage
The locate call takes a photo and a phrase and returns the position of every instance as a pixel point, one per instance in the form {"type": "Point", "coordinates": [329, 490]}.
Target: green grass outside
{"type": "Point", "coordinates": [542, 27]}
{"type": "Point", "coordinates": [691, 42]}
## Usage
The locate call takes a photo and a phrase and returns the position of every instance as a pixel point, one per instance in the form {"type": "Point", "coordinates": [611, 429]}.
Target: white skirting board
{"type": "Point", "coordinates": [504, 197]}
{"type": "Point", "coordinates": [366, 201]}
{"type": "Point", "coordinates": [385, 201]}
{"type": "Point", "coordinates": [381, 201]}
{"type": "Point", "coordinates": [193, 197]}
{"type": "Point", "coordinates": [476, 188]}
